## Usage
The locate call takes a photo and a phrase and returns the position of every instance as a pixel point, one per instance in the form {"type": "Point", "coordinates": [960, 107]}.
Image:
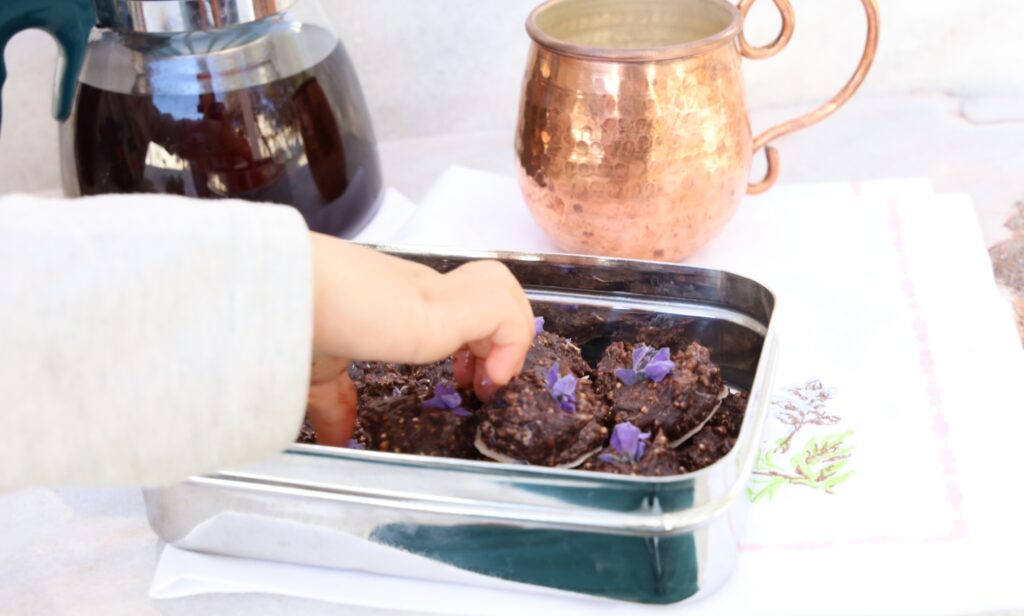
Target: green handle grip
{"type": "Point", "coordinates": [68, 21]}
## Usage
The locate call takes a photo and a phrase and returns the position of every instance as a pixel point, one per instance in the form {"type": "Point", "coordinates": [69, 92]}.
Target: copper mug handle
{"type": "Point", "coordinates": [757, 53]}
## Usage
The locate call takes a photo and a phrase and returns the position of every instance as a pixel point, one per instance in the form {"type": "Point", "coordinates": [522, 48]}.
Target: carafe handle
{"type": "Point", "coordinates": [69, 22]}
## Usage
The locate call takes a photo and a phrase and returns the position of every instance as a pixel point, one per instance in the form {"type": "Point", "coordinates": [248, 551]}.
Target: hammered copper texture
{"type": "Point", "coordinates": [644, 151]}
{"type": "Point", "coordinates": [643, 160]}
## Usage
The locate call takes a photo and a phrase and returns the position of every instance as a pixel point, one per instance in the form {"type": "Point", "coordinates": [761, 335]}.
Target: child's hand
{"type": "Point", "coordinates": [332, 401]}
{"type": "Point", "coordinates": [372, 307]}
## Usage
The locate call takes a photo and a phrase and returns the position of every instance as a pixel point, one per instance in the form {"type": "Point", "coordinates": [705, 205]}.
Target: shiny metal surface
{"type": "Point", "coordinates": [176, 16]}
{"type": "Point", "coordinates": [645, 31]}
{"type": "Point", "coordinates": [312, 504]}
{"type": "Point", "coordinates": [634, 138]}
{"type": "Point", "coordinates": [205, 62]}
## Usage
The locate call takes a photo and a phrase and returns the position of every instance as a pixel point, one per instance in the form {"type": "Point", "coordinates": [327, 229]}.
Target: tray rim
{"type": "Point", "coordinates": [629, 523]}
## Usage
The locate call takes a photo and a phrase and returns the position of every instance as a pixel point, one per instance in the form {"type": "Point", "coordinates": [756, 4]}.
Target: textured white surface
{"type": "Point", "coordinates": [124, 316]}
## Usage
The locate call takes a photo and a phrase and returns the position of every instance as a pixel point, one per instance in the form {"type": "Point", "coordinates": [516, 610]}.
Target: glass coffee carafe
{"type": "Point", "coordinates": [246, 99]}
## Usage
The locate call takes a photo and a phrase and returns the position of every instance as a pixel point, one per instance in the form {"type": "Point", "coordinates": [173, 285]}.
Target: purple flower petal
{"type": "Point", "coordinates": [554, 373]}
{"type": "Point", "coordinates": [628, 377]}
{"type": "Point", "coordinates": [639, 355]}
{"type": "Point", "coordinates": [538, 326]}
{"type": "Point", "coordinates": [658, 371]}
{"type": "Point", "coordinates": [461, 412]}
{"type": "Point", "coordinates": [562, 388]}
{"type": "Point", "coordinates": [650, 365]}
{"type": "Point", "coordinates": [446, 398]}
{"type": "Point", "coordinates": [452, 401]}
{"type": "Point", "coordinates": [628, 440]}
{"type": "Point", "coordinates": [608, 458]}
{"type": "Point", "coordinates": [354, 444]}
{"type": "Point", "coordinates": [565, 386]}
{"type": "Point", "coordinates": [625, 437]}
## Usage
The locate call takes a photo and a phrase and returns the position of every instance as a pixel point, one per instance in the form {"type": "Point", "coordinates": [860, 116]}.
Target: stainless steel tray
{"type": "Point", "coordinates": [650, 540]}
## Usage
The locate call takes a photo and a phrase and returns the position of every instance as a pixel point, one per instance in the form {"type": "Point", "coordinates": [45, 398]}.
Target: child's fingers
{"type": "Point", "coordinates": [483, 386]}
{"type": "Point", "coordinates": [471, 374]}
{"type": "Point", "coordinates": [480, 304]}
{"type": "Point", "coordinates": [481, 348]}
{"type": "Point", "coordinates": [482, 307]}
{"type": "Point", "coordinates": [505, 351]}
{"type": "Point", "coordinates": [331, 405]}
{"type": "Point", "coordinates": [327, 369]}
{"type": "Point", "coordinates": [503, 363]}
{"type": "Point", "coordinates": [464, 367]}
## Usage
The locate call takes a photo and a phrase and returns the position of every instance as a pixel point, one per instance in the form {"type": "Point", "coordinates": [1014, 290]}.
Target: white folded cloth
{"type": "Point", "coordinates": [394, 213]}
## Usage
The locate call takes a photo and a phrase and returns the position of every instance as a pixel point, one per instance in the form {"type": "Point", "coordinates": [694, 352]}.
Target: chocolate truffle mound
{"type": "Point", "coordinates": [308, 435]}
{"type": "Point", "coordinates": [729, 418]}
{"type": "Point", "coordinates": [659, 392]}
{"type": "Point", "coordinates": [549, 348]}
{"type": "Point", "coordinates": [542, 420]}
{"type": "Point", "coordinates": [633, 453]}
{"type": "Point", "coordinates": [442, 425]}
{"type": "Point", "coordinates": [718, 437]}
{"type": "Point", "coordinates": [381, 380]}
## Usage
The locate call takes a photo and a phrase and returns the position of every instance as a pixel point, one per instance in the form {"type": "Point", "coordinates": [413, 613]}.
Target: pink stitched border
{"type": "Point", "coordinates": [940, 425]}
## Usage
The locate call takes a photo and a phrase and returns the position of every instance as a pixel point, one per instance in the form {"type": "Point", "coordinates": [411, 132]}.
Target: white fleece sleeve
{"type": "Point", "coordinates": [145, 339]}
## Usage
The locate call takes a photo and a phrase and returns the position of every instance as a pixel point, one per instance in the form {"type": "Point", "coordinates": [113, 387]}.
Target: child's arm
{"type": "Point", "coordinates": [369, 306]}
{"type": "Point", "coordinates": [147, 339]}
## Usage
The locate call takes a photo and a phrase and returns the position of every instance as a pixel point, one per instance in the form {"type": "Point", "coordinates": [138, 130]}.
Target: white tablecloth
{"type": "Point", "coordinates": [898, 355]}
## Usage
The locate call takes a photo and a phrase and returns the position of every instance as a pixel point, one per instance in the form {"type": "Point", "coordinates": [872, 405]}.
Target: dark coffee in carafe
{"type": "Point", "coordinates": [264, 112]}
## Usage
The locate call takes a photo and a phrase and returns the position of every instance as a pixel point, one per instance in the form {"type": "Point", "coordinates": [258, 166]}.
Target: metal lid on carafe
{"type": "Point", "coordinates": [174, 16]}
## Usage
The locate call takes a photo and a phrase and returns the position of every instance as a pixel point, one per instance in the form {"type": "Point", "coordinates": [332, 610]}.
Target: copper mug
{"type": "Point", "coordinates": [634, 137]}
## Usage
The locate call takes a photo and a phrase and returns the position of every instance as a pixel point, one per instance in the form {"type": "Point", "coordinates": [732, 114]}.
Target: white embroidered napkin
{"type": "Point", "coordinates": [395, 212]}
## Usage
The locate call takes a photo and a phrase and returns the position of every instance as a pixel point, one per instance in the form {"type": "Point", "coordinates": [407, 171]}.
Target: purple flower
{"type": "Point", "coordinates": [446, 398]}
{"type": "Point", "coordinates": [354, 444]}
{"type": "Point", "coordinates": [562, 389]}
{"type": "Point", "coordinates": [648, 364]}
{"type": "Point", "coordinates": [629, 441]}
{"type": "Point", "coordinates": [538, 326]}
